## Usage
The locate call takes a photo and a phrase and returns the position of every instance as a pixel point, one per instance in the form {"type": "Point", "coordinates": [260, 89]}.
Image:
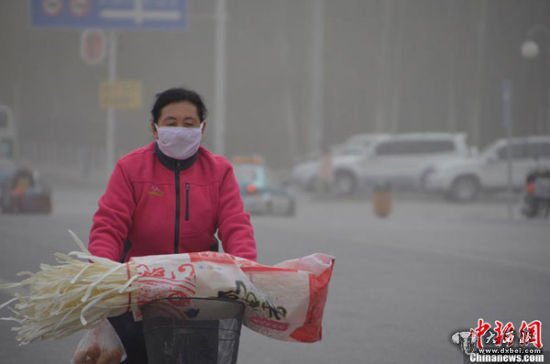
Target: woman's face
{"type": "Point", "coordinates": [182, 114]}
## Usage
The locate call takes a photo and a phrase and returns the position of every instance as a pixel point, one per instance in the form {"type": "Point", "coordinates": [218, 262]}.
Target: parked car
{"type": "Point", "coordinates": [260, 194]}
{"type": "Point", "coordinates": [24, 192]}
{"type": "Point", "coordinates": [403, 160]}
{"type": "Point", "coordinates": [305, 174]}
{"type": "Point", "coordinates": [400, 161]}
{"type": "Point", "coordinates": [462, 179]}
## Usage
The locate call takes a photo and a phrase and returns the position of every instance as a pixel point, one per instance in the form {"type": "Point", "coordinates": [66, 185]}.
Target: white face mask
{"type": "Point", "coordinates": [178, 142]}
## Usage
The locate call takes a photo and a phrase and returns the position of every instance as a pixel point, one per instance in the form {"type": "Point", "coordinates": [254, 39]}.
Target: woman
{"type": "Point", "coordinates": [170, 196]}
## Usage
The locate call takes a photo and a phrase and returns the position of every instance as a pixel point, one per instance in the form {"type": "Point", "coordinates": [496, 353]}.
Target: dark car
{"type": "Point", "coordinates": [260, 195]}
{"type": "Point", "coordinates": [23, 192]}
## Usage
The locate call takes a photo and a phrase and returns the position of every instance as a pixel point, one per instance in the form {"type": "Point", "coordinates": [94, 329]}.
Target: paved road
{"type": "Point", "coordinates": [401, 285]}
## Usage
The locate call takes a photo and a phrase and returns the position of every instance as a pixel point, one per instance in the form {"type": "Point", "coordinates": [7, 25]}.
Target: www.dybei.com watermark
{"type": "Point", "coordinates": [501, 343]}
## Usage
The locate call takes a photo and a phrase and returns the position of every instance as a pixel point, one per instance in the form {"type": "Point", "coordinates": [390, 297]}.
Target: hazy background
{"type": "Point", "coordinates": [301, 73]}
{"type": "Point", "coordinates": [393, 66]}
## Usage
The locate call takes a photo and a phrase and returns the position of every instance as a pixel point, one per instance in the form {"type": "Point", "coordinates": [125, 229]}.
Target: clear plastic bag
{"type": "Point", "coordinates": [101, 342]}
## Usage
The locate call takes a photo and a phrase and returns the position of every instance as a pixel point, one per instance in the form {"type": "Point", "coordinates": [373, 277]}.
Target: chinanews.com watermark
{"type": "Point", "coordinates": [501, 342]}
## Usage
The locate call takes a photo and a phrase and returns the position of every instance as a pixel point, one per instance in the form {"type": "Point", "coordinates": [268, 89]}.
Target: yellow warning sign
{"type": "Point", "coordinates": [121, 95]}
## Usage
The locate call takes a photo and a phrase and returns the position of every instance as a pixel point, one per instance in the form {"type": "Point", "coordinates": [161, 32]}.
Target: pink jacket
{"type": "Point", "coordinates": [153, 209]}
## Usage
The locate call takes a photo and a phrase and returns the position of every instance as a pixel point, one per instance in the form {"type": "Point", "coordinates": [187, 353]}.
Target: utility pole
{"type": "Point", "coordinates": [396, 78]}
{"type": "Point", "coordinates": [477, 95]}
{"type": "Point", "coordinates": [220, 77]}
{"type": "Point", "coordinates": [531, 49]}
{"type": "Point", "coordinates": [454, 30]}
{"type": "Point", "coordinates": [288, 100]}
{"type": "Point", "coordinates": [111, 117]}
{"type": "Point", "coordinates": [382, 86]}
{"type": "Point", "coordinates": [316, 128]}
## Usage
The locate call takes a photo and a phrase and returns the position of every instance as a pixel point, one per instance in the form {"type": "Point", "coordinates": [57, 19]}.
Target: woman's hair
{"type": "Point", "coordinates": [173, 95]}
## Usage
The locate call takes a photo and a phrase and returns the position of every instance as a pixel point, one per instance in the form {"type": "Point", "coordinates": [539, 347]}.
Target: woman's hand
{"type": "Point", "coordinates": [94, 355]}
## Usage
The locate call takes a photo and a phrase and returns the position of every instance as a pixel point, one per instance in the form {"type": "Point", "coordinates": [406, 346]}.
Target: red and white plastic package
{"type": "Point", "coordinates": [285, 301]}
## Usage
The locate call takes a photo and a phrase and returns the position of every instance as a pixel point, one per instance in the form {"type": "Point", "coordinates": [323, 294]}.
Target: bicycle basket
{"type": "Point", "coordinates": [192, 330]}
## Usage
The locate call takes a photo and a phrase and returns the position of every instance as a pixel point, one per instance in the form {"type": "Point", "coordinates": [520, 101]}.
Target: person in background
{"type": "Point", "coordinates": [326, 170]}
{"type": "Point", "coordinates": [22, 181]}
{"type": "Point", "coordinates": [170, 196]}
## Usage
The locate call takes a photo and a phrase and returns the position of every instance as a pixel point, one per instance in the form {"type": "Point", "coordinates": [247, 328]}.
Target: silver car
{"type": "Point", "coordinates": [462, 179]}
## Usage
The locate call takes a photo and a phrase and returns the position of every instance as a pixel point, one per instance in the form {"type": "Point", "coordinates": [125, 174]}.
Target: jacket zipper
{"type": "Point", "coordinates": [187, 187]}
{"type": "Point", "coordinates": [177, 229]}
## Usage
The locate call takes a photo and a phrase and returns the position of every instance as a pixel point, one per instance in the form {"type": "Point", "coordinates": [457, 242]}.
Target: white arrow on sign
{"type": "Point", "coordinates": [139, 14]}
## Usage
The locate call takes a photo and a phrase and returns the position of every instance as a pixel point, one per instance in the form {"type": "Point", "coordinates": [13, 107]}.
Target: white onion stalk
{"type": "Point", "coordinates": [62, 299]}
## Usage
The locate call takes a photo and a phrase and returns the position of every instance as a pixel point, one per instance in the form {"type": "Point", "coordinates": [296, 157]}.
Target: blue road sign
{"type": "Point", "coordinates": [110, 14]}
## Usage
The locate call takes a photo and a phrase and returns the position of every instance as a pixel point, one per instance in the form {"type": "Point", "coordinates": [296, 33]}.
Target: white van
{"type": "Point", "coordinates": [399, 160]}
{"type": "Point", "coordinates": [402, 161]}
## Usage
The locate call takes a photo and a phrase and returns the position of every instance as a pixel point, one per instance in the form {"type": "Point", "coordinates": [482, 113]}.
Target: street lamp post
{"type": "Point", "coordinates": [530, 49]}
{"type": "Point", "coordinates": [220, 77]}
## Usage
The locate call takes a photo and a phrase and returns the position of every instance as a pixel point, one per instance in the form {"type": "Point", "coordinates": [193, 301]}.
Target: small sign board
{"type": "Point", "coordinates": [121, 95]}
{"type": "Point", "coordinates": [93, 46]}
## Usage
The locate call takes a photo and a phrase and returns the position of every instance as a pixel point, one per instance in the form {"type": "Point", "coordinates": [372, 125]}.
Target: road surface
{"type": "Point", "coordinates": [401, 285]}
